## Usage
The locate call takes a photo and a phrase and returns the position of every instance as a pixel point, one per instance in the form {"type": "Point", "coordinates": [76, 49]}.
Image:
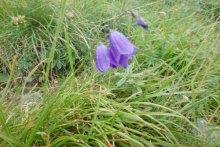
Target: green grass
{"type": "Point", "coordinates": [143, 105]}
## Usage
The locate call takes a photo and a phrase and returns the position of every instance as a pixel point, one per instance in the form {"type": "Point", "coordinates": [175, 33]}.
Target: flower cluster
{"type": "Point", "coordinates": [20, 19]}
{"type": "Point", "coordinates": [121, 50]}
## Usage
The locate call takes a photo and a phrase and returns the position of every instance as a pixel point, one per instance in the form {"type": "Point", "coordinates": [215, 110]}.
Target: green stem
{"type": "Point", "coordinates": [2, 115]}
{"type": "Point", "coordinates": [54, 46]}
{"type": "Point", "coordinates": [9, 80]}
{"type": "Point", "coordinates": [70, 56]}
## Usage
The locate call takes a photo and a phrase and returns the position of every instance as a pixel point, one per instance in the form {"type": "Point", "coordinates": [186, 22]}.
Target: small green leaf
{"type": "Point", "coordinates": [3, 77]}
{"type": "Point", "coordinates": [129, 69]}
{"type": "Point", "coordinates": [122, 81]}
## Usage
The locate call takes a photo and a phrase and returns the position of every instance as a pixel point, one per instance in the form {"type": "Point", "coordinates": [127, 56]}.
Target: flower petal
{"type": "Point", "coordinates": [120, 43]}
{"type": "Point", "coordinates": [102, 58]}
{"type": "Point", "coordinates": [114, 56]}
{"type": "Point", "coordinates": [113, 66]}
{"type": "Point", "coordinates": [124, 61]}
{"type": "Point", "coordinates": [130, 56]}
{"type": "Point", "coordinates": [136, 48]}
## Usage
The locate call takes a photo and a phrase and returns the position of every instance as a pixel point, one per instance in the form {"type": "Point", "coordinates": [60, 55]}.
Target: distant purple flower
{"type": "Point", "coordinates": [102, 58]}
{"type": "Point", "coordinates": [140, 21]}
{"type": "Point", "coordinates": [121, 49]}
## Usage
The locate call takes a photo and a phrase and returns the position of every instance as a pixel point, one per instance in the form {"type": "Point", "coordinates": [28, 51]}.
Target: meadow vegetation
{"type": "Point", "coordinates": [51, 96]}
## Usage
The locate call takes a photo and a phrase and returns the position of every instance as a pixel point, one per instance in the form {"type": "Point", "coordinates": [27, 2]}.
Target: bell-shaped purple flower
{"type": "Point", "coordinates": [102, 58]}
{"type": "Point", "coordinates": [140, 21]}
{"type": "Point", "coordinates": [120, 43]}
{"type": "Point", "coordinates": [121, 49]}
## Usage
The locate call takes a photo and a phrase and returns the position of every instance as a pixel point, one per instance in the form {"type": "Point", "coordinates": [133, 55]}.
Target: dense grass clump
{"type": "Point", "coordinates": [51, 96]}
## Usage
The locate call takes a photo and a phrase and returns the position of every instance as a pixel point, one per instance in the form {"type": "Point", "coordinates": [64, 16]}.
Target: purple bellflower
{"type": "Point", "coordinates": [140, 21]}
{"type": "Point", "coordinates": [102, 58]}
{"type": "Point", "coordinates": [121, 49]}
